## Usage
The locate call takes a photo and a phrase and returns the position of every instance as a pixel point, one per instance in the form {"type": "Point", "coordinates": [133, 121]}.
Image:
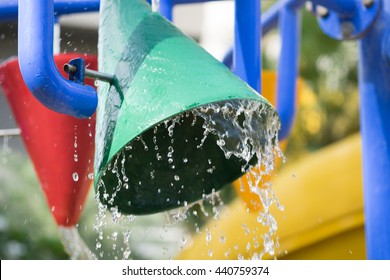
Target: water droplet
{"type": "Point", "coordinates": [126, 253]}
{"type": "Point", "coordinates": [75, 176]}
{"type": "Point", "coordinates": [208, 235]}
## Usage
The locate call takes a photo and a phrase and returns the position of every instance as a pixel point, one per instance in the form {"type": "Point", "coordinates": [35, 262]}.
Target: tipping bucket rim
{"type": "Point", "coordinates": [269, 110]}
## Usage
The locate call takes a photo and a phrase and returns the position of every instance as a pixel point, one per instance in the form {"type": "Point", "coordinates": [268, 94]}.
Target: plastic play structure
{"type": "Point", "coordinates": [152, 74]}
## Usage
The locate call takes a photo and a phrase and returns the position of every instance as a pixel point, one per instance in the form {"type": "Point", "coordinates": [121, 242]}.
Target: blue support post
{"type": "Point", "coordinates": [246, 56]}
{"type": "Point", "coordinates": [270, 18]}
{"type": "Point", "coordinates": [36, 62]}
{"type": "Point", "coordinates": [290, 29]}
{"type": "Point", "coordinates": [374, 88]}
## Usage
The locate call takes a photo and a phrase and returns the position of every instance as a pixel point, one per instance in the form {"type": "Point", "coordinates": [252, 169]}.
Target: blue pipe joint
{"type": "Point", "coordinates": [351, 24]}
{"type": "Point", "coordinates": [77, 76]}
{"type": "Point", "coordinates": [36, 62]}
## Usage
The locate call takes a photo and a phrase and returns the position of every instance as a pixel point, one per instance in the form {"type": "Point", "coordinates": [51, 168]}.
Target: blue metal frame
{"type": "Point", "coordinates": [36, 62]}
{"type": "Point", "coordinates": [166, 6]}
{"type": "Point", "coordinates": [246, 54]}
{"type": "Point", "coordinates": [374, 94]}
{"type": "Point", "coordinates": [348, 19]}
{"type": "Point", "coordinates": [290, 29]}
{"type": "Point", "coordinates": [371, 23]}
{"type": "Point", "coordinates": [344, 8]}
{"type": "Point", "coordinates": [374, 90]}
{"type": "Point", "coordinates": [245, 60]}
{"type": "Point", "coordinates": [9, 8]}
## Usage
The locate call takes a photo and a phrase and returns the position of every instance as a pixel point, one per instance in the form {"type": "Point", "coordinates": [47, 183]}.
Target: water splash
{"type": "Point", "coordinates": [74, 244]}
{"type": "Point", "coordinates": [155, 5]}
{"type": "Point", "coordinates": [239, 134]}
{"type": "Point", "coordinates": [158, 236]}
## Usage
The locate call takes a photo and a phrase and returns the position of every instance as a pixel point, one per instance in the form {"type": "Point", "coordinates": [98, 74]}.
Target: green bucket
{"type": "Point", "coordinates": [142, 164]}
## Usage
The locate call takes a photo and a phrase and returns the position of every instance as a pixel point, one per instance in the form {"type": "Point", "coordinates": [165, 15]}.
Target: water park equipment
{"type": "Point", "coordinates": [138, 51]}
{"type": "Point", "coordinates": [341, 19]}
{"type": "Point", "coordinates": [161, 74]}
{"type": "Point", "coordinates": [61, 147]}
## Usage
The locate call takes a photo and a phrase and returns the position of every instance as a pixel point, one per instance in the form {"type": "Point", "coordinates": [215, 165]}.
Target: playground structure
{"type": "Point", "coordinates": [351, 19]}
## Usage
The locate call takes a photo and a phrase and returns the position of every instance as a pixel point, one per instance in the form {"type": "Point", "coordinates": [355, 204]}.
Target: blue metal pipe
{"type": "Point", "coordinates": [35, 54]}
{"type": "Point", "coordinates": [9, 8]}
{"type": "Point", "coordinates": [269, 20]}
{"type": "Point", "coordinates": [166, 8]}
{"type": "Point", "coordinates": [290, 29]}
{"type": "Point", "coordinates": [374, 90]}
{"type": "Point", "coordinates": [192, 1]}
{"type": "Point", "coordinates": [344, 8]}
{"type": "Point", "coordinates": [246, 55]}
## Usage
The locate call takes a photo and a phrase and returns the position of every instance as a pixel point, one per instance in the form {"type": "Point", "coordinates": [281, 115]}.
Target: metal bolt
{"type": "Point", "coordinates": [347, 29]}
{"type": "Point", "coordinates": [322, 11]}
{"type": "Point", "coordinates": [72, 69]}
{"type": "Point", "coordinates": [368, 3]}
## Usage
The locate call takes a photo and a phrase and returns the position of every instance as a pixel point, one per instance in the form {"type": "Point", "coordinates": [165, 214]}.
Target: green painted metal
{"type": "Point", "coordinates": [160, 73]}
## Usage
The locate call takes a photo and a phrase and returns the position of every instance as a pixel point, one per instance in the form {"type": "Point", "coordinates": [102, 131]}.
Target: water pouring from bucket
{"type": "Point", "coordinates": [176, 125]}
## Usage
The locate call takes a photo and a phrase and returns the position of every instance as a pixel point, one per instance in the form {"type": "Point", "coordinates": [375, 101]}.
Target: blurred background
{"type": "Point", "coordinates": [326, 113]}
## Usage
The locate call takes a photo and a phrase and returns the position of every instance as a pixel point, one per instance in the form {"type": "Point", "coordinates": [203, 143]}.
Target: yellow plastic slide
{"type": "Point", "coordinates": [322, 217]}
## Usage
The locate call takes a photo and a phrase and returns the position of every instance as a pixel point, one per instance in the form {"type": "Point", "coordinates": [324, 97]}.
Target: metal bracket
{"type": "Point", "coordinates": [78, 72]}
{"type": "Point", "coordinates": [353, 26]}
